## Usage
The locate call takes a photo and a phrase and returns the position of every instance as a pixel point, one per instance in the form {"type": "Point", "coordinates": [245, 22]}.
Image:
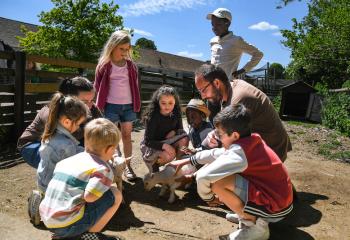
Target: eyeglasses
{"type": "Point", "coordinates": [202, 91]}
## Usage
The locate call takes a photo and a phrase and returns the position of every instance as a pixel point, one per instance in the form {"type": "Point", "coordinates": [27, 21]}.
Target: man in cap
{"type": "Point", "coordinates": [227, 49]}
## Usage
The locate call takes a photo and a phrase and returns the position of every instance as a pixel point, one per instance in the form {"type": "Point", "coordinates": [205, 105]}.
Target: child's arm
{"type": "Point", "coordinates": [231, 162]}
{"type": "Point", "coordinates": [89, 197]}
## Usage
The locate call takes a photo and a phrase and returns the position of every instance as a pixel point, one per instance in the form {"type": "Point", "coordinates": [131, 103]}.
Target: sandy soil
{"type": "Point", "coordinates": [322, 211]}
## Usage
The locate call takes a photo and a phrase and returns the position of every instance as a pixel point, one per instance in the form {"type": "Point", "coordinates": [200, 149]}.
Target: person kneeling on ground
{"type": "Point", "coordinates": [80, 200]}
{"type": "Point", "coordinates": [246, 175]}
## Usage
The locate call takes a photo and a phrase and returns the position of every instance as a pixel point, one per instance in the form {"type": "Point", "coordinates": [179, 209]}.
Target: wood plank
{"type": "Point", "coordinates": [60, 62]}
{"type": "Point", "coordinates": [7, 98]}
{"type": "Point", "coordinates": [10, 88]}
{"type": "Point", "coordinates": [4, 119]}
{"type": "Point", "coordinates": [9, 55]}
{"type": "Point", "coordinates": [7, 109]}
{"type": "Point", "coordinates": [41, 87]}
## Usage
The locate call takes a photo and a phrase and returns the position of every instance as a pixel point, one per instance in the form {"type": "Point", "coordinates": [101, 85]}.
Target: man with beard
{"type": "Point", "coordinates": [214, 86]}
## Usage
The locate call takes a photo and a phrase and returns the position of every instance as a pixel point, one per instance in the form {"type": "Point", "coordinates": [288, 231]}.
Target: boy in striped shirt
{"type": "Point", "coordinates": [80, 199]}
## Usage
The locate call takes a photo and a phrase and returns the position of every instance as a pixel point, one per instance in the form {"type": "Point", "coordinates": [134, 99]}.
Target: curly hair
{"type": "Point", "coordinates": [153, 106]}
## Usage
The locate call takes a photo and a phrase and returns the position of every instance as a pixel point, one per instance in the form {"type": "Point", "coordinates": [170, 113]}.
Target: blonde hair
{"type": "Point", "coordinates": [117, 38]}
{"type": "Point", "coordinates": [99, 134]}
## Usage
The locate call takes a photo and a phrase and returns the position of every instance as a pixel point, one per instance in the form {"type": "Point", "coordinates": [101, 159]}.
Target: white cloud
{"type": "Point", "coordinates": [263, 26]}
{"type": "Point", "coordinates": [141, 32]}
{"type": "Point", "coordinates": [148, 7]}
{"type": "Point", "coordinates": [190, 55]}
{"type": "Point", "coordinates": [277, 34]}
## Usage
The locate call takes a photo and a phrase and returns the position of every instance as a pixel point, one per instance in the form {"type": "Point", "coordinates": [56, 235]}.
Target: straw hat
{"type": "Point", "coordinates": [199, 105]}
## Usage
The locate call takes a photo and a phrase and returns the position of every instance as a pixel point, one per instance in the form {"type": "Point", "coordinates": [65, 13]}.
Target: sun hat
{"type": "Point", "coordinates": [221, 13]}
{"type": "Point", "coordinates": [199, 105]}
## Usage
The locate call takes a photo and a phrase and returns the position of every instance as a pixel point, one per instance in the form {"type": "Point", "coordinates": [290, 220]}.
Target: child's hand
{"type": "Point", "coordinates": [187, 151]}
{"type": "Point", "coordinates": [212, 140]}
{"type": "Point", "coordinates": [169, 149]}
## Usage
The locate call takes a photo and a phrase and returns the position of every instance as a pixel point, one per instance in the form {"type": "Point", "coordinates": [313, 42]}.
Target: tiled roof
{"type": "Point", "coordinates": [9, 29]}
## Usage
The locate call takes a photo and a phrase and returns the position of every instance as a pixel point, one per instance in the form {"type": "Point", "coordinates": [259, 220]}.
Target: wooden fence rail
{"type": "Point", "coordinates": [21, 97]}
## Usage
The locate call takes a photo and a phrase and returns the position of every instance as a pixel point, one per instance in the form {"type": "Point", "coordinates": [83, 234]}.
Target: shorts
{"type": "Point", "coordinates": [93, 212]}
{"type": "Point", "coordinates": [241, 188]}
{"type": "Point", "coordinates": [120, 112]}
{"type": "Point", "coordinates": [30, 154]}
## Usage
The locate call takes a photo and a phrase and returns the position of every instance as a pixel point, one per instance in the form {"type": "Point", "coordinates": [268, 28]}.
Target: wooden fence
{"type": "Point", "coordinates": [21, 98]}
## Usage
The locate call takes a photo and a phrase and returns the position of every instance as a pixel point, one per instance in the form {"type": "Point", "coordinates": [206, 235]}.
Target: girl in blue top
{"type": "Point", "coordinates": [65, 116]}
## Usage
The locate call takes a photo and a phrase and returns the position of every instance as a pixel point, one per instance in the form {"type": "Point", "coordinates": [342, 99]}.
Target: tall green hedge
{"type": "Point", "coordinates": [336, 112]}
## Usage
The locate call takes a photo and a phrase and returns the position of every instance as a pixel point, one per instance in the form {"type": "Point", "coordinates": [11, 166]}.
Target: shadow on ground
{"type": "Point", "coordinates": [303, 215]}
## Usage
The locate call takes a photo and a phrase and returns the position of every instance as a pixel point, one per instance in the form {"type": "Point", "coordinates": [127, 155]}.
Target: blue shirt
{"type": "Point", "coordinates": [60, 146]}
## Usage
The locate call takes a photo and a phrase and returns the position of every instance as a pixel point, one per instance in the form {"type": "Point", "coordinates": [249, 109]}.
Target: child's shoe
{"type": "Point", "coordinates": [232, 217]}
{"type": "Point", "coordinates": [97, 236]}
{"type": "Point", "coordinates": [250, 231]}
{"type": "Point", "coordinates": [34, 201]}
{"type": "Point", "coordinates": [129, 173]}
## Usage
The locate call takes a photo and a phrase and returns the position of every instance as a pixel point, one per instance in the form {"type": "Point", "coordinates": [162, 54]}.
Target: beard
{"type": "Point", "coordinates": [216, 98]}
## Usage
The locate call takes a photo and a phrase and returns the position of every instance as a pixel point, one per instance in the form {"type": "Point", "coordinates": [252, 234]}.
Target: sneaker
{"type": "Point", "coordinates": [129, 173]}
{"type": "Point", "coordinates": [232, 217]}
{"type": "Point", "coordinates": [250, 231]}
{"type": "Point", "coordinates": [34, 201]}
{"type": "Point", "coordinates": [97, 236]}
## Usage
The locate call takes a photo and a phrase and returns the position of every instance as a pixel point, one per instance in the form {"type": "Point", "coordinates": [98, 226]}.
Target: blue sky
{"type": "Point", "coordinates": [180, 26]}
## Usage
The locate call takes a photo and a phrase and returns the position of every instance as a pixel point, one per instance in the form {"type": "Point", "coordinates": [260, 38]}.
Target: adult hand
{"type": "Point", "coordinates": [236, 74]}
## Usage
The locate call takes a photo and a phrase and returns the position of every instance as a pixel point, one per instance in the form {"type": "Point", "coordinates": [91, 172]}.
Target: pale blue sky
{"type": "Point", "coordinates": [180, 26]}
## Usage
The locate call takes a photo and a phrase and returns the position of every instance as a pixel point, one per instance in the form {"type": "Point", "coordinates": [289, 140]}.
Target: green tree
{"type": "Point", "coordinates": [73, 29]}
{"type": "Point", "coordinates": [276, 71]}
{"type": "Point", "coordinates": [320, 44]}
{"type": "Point", "coordinates": [145, 43]}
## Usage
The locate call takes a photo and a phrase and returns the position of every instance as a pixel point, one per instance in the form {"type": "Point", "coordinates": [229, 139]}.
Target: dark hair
{"type": "Point", "coordinates": [73, 86]}
{"type": "Point", "coordinates": [211, 72]}
{"type": "Point", "coordinates": [153, 106]}
{"type": "Point", "coordinates": [59, 106]}
{"type": "Point", "coordinates": [234, 118]}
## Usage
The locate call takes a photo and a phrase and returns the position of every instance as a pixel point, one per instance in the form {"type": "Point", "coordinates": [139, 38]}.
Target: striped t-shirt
{"type": "Point", "coordinates": [64, 203]}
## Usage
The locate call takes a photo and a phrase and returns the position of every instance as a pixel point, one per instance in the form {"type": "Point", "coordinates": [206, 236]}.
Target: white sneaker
{"type": "Point", "coordinates": [250, 231]}
{"type": "Point", "coordinates": [232, 217]}
{"type": "Point", "coordinates": [34, 201]}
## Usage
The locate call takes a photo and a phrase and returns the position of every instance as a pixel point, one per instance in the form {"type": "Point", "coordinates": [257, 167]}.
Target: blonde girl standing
{"type": "Point", "coordinates": [118, 94]}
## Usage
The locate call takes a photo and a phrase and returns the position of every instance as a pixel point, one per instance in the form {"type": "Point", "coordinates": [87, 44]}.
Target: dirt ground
{"type": "Point", "coordinates": [322, 210]}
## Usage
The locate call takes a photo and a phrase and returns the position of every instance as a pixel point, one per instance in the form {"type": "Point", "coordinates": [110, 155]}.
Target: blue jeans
{"type": "Point", "coordinates": [30, 154]}
{"type": "Point", "coordinates": [93, 212]}
{"type": "Point", "coordinates": [120, 112]}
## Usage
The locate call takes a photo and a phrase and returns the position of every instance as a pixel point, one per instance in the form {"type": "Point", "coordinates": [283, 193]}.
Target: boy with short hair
{"type": "Point", "coordinates": [246, 175]}
{"type": "Point", "coordinates": [79, 200]}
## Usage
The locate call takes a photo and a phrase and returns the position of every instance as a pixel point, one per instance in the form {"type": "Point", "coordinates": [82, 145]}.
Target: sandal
{"type": "Point", "coordinates": [129, 174]}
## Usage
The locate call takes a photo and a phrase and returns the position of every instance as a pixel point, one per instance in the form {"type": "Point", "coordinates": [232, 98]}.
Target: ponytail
{"type": "Point", "coordinates": [60, 105]}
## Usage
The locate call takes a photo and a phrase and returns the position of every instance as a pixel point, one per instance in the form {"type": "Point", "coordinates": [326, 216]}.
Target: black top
{"type": "Point", "coordinates": [158, 127]}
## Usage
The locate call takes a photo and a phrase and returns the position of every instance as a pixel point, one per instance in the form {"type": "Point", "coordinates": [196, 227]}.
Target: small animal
{"type": "Point", "coordinates": [166, 178]}
{"type": "Point", "coordinates": [118, 165]}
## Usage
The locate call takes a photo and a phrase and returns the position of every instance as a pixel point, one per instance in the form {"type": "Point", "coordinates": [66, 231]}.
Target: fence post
{"type": "Point", "coordinates": [20, 58]}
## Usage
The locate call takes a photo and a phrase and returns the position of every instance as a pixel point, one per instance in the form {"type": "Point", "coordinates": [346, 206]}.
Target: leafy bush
{"type": "Point", "coordinates": [336, 112]}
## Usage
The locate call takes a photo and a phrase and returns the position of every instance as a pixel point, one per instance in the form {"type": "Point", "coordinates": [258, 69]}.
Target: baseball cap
{"type": "Point", "coordinates": [221, 13]}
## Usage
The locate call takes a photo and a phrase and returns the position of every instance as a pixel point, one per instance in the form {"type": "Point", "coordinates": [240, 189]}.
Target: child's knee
{"type": "Point", "coordinates": [216, 187]}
